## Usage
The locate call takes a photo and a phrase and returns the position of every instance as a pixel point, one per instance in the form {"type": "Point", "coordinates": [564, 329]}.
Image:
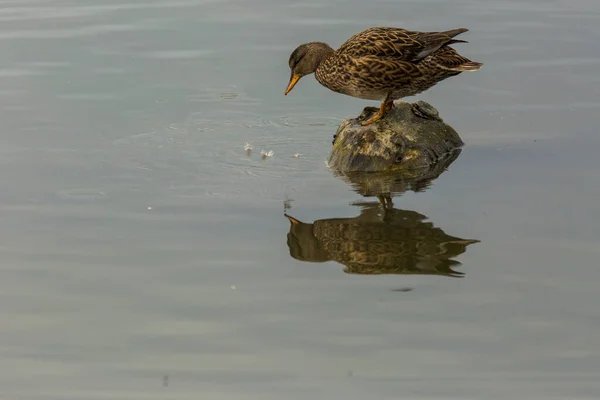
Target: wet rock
{"type": "Point", "coordinates": [409, 137]}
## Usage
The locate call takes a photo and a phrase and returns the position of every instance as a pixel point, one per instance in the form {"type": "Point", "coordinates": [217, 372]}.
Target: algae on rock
{"type": "Point", "coordinates": [411, 136]}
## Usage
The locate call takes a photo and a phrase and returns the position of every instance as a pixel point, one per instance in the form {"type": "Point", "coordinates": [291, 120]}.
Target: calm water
{"type": "Point", "coordinates": [145, 255]}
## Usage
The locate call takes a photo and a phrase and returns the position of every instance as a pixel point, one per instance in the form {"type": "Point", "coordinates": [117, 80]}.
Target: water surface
{"type": "Point", "coordinates": [146, 255]}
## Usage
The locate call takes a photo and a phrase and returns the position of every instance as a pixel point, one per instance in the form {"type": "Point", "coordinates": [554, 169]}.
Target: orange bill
{"type": "Point", "coordinates": [293, 80]}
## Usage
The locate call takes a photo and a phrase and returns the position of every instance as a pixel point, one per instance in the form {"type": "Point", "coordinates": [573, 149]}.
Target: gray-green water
{"type": "Point", "coordinates": [138, 240]}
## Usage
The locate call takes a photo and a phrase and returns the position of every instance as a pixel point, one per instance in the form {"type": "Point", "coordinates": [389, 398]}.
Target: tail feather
{"type": "Point", "coordinates": [456, 41]}
{"type": "Point", "coordinates": [448, 58]}
{"type": "Point", "coordinates": [468, 66]}
{"type": "Point", "coordinates": [455, 32]}
{"type": "Point", "coordinates": [433, 41]}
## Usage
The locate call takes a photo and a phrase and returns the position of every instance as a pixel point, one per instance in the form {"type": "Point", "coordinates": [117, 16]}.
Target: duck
{"type": "Point", "coordinates": [382, 63]}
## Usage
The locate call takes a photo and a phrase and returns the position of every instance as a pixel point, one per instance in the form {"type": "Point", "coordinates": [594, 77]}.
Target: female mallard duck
{"type": "Point", "coordinates": [382, 64]}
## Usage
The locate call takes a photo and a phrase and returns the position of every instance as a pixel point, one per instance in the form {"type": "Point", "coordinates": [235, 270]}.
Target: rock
{"type": "Point", "coordinates": [409, 137]}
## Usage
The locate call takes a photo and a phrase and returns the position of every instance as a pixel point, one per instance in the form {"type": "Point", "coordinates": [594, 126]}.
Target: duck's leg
{"type": "Point", "coordinates": [386, 105]}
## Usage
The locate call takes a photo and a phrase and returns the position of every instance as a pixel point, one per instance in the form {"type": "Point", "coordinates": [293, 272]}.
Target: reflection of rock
{"type": "Point", "coordinates": [386, 184]}
{"type": "Point", "coordinates": [378, 241]}
{"type": "Point", "coordinates": [410, 136]}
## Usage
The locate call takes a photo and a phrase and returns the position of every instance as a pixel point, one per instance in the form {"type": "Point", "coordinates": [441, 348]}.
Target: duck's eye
{"type": "Point", "coordinates": [297, 61]}
{"type": "Point", "coordinates": [295, 58]}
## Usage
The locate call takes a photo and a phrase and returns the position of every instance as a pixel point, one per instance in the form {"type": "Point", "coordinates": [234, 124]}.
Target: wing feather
{"type": "Point", "coordinates": [398, 43]}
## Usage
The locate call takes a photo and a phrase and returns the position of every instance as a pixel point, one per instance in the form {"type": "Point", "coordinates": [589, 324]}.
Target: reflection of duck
{"type": "Point", "coordinates": [378, 241]}
{"type": "Point", "coordinates": [382, 63]}
{"type": "Point", "coordinates": [382, 239]}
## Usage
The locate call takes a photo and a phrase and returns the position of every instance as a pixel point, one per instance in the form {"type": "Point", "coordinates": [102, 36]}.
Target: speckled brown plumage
{"type": "Point", "coordinates": [382, 64]}
{"type": "Point", "coordinates": [378, 241]}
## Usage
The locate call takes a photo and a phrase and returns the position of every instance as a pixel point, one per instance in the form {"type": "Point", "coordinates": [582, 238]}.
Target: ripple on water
{"type": "Point", "coordinates": [66, 33]}
{"type": "Point", "coordinates": [83, 194]}
{"type": "Point", "coordinates": [77, 11]}
{"type": "Point", "coordinates": [189, 54]}
{"type": "Point", "coordinates": [16, 73]}
{"type": "Point", "coordinates": [86, 96]}
{"type": "Point", "coordinates": [206, 157]}
{"type": "Point", "coordinates": [230, 94]}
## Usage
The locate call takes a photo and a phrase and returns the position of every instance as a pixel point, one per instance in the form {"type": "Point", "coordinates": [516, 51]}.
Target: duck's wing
{"type": "Point", "coordinates": [388, 72]}
{"type": "Point", "coordinates": [385, 72]}
{"type": "Point", "coordinates": [397, 43]}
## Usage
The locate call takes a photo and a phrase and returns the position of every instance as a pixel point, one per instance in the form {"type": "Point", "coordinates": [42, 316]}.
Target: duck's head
{"type": "Point", "coordinates": [305, 60]}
